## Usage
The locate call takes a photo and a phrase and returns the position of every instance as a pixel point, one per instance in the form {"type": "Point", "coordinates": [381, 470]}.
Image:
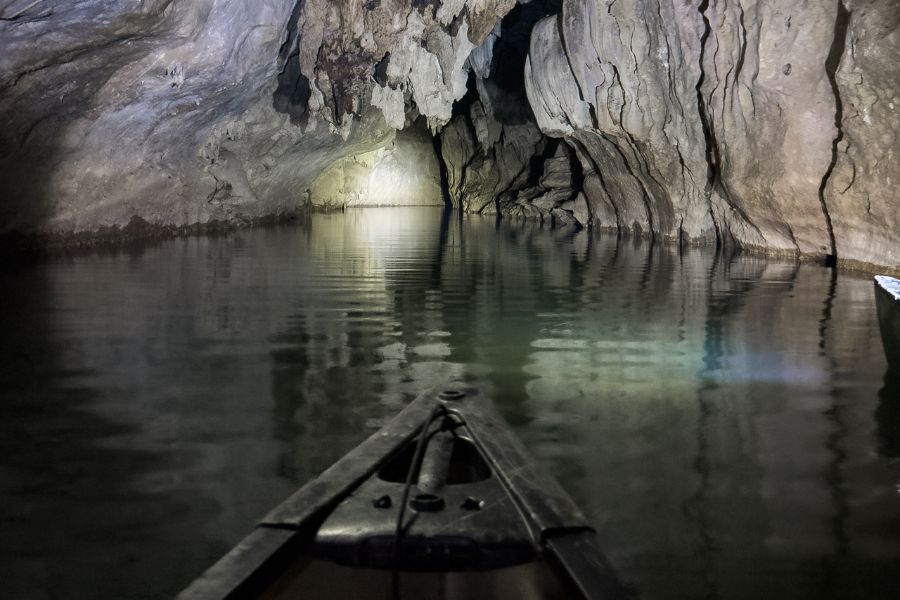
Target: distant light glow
{"type": "Point", "coordinates": [388, 176]}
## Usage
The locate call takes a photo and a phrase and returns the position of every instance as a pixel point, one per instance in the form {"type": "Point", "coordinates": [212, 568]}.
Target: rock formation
{"type": "Point", "coordinates": [179, 112]}
{"type": "Point", "coordinates": [487, 158]}
{"type": "Point", "coordinates": [730, 121]}
{"type": "Point", "coordinates": [402, 173]}
{"type": "Point", "coordinates": [764, 124]}
{"type": "Point", "coordinates": [861, 190]}
{"type": "Point", "coordinates": [119, 109]}
{"type": "Point", "coordinates": [497, 159]}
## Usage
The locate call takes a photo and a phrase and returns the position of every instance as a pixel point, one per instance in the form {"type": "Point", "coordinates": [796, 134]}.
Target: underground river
{"type": "Point", "coordinates": [726, 421]}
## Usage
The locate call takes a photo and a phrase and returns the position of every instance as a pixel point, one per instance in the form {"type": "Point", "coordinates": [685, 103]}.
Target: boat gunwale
{"type": "Point", "coordinates": [889, 285]}
{"type": "Point", "coordinates": [887, 307]}
{"type": "Point", "coordinates": [557, 524]}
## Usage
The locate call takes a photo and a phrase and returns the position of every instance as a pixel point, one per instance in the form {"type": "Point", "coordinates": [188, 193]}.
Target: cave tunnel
{"type": "Point", "coordinates": [449, 299]}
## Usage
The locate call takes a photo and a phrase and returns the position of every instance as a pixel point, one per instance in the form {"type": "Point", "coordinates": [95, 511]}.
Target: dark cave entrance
{"type": "Point", "coordinates": [497, 161]}
{"type": "Point", "coordinates": [511, 49]}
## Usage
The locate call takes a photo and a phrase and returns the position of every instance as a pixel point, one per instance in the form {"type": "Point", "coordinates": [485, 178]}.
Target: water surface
{"type": "Point", "coordinates": [727, 422]}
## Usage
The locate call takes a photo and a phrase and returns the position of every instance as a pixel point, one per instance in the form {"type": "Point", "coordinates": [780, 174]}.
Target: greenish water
{"type": "Point", "coordinates": [727, 422]}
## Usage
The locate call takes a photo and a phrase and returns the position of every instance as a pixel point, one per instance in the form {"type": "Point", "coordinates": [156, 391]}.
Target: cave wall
{"type": "Point", "coordinates": [190, 111]}
{"type": "Point", "coordinates": [765, 124]}
{"type": "Point", "coordinates": [498, 160]}
{"type": "Point", "coordinates": [487, 159]}
{"type": "Point", "coordinates": [404, 172]}
{"type": "Point", "coordinates": [115, 109]}
{"type": "Point", "coordinates": [861, 192]}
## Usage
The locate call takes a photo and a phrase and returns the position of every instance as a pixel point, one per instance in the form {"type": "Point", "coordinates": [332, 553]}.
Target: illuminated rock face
{"type": "Point", "coordinates": [415, 52]}
{"type": "Point", "coordinates": [764, 124]}
{"type": "Point", "coordinates": [861, 193]}
{"type": "Point", "coordinates": [404, 172]}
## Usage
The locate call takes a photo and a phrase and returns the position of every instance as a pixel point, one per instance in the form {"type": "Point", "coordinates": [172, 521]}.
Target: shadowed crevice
{"type": "Point", "coordinates": [712, 158]}
{"type": "Point", "coordinates": [291, 97]}
{"type": "Point", "coordinates": [832, 62]}
{"type": "Point", "coordinates": [442, 167]}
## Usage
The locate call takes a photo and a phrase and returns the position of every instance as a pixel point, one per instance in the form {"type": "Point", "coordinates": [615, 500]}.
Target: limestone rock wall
{"type": "Point", "coordinates": [766, 124]}
{"type": "Point", "coordinates": [404, 172]}
{"type": "Point", "coordinates": [861, 193]}
{"type": "Point", "coordinates": [769, 124]}
{"type": "Point", "coordinates": [498, 161]}
{"type": "Point", "coordinates": [418, 48]}
{"type": "Point", "coordinates": [487, 159]}
{"type": "Point", "coordinates": [106, 106]}
{"type": "Point", "coordinates": [189, 111]}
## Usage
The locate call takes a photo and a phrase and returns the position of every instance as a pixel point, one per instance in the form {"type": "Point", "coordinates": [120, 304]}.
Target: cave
{"type": "Point", "coordinates": [237, 238]}
{"type": "Point", "coordinates": [750, 128]}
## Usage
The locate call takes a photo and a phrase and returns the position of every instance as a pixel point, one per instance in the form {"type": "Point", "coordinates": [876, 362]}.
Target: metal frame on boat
{"type": "Point", "coordinates": [443, 502]}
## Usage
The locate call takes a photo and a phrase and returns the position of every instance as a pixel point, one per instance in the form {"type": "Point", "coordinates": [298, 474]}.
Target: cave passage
{"type": "Point", "coordinates": [498, 161]}
{"type": "Point", "coordinates": [256, 231]}
{"type": "Point", "coordinates": [694, 123]}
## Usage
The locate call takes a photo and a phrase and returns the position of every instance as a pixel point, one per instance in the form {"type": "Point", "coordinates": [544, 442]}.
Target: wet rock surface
{"type": "Point", "coordinates": [404, 172]}
{"type": "Point", "coordinates": [861, 191]}
{"type": "Point", "coordinates": [486, 159]}
{"type": "Point", "coordinates": [498, 160]}
{"type": "Point", "coordinates": [712, 121]}
{"type": "Point", "coordinates": [107, 109]}
{"type": "Point", "coordinates": [177, 112]}
{"type": "Point", "coordinates": [769, 125]}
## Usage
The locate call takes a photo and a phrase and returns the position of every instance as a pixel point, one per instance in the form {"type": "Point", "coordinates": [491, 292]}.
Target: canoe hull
{"type": "Point", "coordinates": [327, 540]}
{"type": "Point", "coordinates": [324, 580]}
{"type": "Point", "coordinates": [887, 301]}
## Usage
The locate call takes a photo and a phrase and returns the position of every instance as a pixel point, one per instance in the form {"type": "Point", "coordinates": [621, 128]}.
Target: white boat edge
{"type": "Point", "coordinates": [890, 285]}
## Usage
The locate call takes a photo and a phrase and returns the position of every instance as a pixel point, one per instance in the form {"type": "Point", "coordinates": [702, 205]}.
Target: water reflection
{"type": "Point", "coordinates": [887, 418]}
{"type": "Point", "coordinates": [726, 420]}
